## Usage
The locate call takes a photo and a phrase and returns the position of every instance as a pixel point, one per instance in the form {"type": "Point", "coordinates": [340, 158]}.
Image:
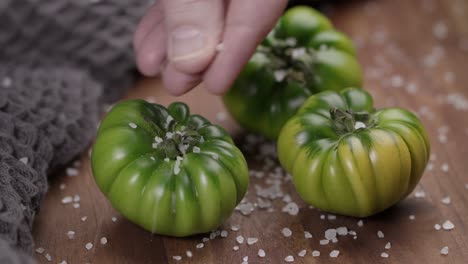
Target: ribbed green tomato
{"type": "Point", "coordinates": [302, 55]}
{"type": "Point", "coordinates": [347, 158]}
{"type": "Point", "coordinates": [166, 170]}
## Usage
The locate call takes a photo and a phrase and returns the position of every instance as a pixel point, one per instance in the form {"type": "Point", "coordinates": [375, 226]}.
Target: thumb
{"type": "Point", "coordinates": [194, 28]}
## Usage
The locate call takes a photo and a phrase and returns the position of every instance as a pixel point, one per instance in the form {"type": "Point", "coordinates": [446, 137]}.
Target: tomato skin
{"type": "Point", "coordinates": [260, 102]}
{"type": "Point", "coordinates": [359, 172]}
{"type": "Point", "coordinates": [170, 197]}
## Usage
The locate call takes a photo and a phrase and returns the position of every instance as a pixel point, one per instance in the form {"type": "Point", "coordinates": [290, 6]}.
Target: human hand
{"type": "Point", "coordinates": [178, 39]}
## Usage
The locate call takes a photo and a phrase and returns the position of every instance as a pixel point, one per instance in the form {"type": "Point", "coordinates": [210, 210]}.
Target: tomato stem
{"type": "Point", "coordinates": [347, 121]}
{"type": "Point", "coordinates": [178, 143]}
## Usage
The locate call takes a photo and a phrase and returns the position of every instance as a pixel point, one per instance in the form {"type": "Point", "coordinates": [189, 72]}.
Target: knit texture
{"type": "Point", "coordinates": [59, 61]}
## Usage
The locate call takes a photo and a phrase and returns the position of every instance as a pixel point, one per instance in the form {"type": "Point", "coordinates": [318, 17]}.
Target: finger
{"type": "Point", "coordinates": [178, 83]}
{"type": "Point", "coordinates": [152, 51]}
{"type": "Point", "coordinates": [247, 24]}
{"type": "Point", "coordinates": [151, 19]}
{"type": "Point", "coordinates": [194, 29]}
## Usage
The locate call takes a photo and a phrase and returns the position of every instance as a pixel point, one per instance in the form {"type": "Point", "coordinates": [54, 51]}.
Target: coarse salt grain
{"type": "Point", "coordinates": [177, 258]}
{"type": "Point", "coordinates": [71, 234]}
{"type": "Point", "coordinates": [114, 219]}
{"type": "Point", "coordinates": [384, 255]}
{"type": "Point", "coordinates": [444, 250]}
{"type": "Point", "coordinates": [245, 258]}
{"type": "Point", "coordinates": [235, 248]}
{"type": "Point", "coordinates": [71, 172]}
{"type": "Point", "coordinates": [252, 240]}
{"type": "Point", "coordinates": [448, 225]}
{"type": "Point", "coordinates": [62, 186]}
{"type": "Point", "coordinates": [444, 167]}
{"type": "Point", "coordinates": [40, 250]}
{"type": "Point", "coordinates": [235, 228]}
{"type": "Point", "coordinates": [315, 253]}
{"type": "Point", "coordinates": [132, 125]}
{"type": "Point", "coordinates": [200, 245]}
{"type": "Point", "coordinates": [307, 234]}
{"type": "Point", "coordinates": [224, 233]}
{"type": "Point", "coordinates": [189, 253]}
{"type": "Point", "coordinates": [330, 234]}
{"type": "Point", "coordinates": [48, 257]}
{"type": "Point", "coordinates": [302, 253]}
{"type": "Point", "coordinates": [440, 30]}
{"type": "Point", "coordinates": [83, 219]}
{"type": "Point", "coordinates": [89, 246]}
{"type": "Point", "coordinates": [360, 223]}
{"type": "Point", "coordinates": [205, 239]}
{"type": "Point", "coordinates": [240, 239]}
{"type": "Point", "coordinates": [342, 231]}
{"type": "Point", "coordinates": [103, 240]}
{"type": "Point", "coordinates": [437, 227]}
{"type": "Point", "coordinates": [419, 194]}
{"type": "Point", "coordinates": [196, 149]}
{"type": "Point", "coordinates": [289, 258]}
{"type": "Point", "coordinates": [24, 160]}
{"type": "Point", "coordinates": [412, 217]}
{"type": "Point", "coordinates": [331, 217]}
{"type": "Point", "coordinates": [291, 208]}
{"type": "Point", "coordinates": [286, 232]}
{"type": "Point", "coordinates": [388, 245]}
{"type": "Point", "coordinates": [446, 200]}
{"type": "Point", "coordinates": [324, 242]}
{"type": "Point", "coordinates": [76, 205]}
{"type": "Point", "coordinates": [380, 234]}
{"type": "Point", "coordinates": [261, 253]}
{"type": "Point", "coordinates": [67, 200]}
{"type": "Point", "coordinates": [334, 253]}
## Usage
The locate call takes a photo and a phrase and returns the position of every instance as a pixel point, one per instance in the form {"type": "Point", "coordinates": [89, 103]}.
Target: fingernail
{"type": "Point", "coordinates": [186, 42]}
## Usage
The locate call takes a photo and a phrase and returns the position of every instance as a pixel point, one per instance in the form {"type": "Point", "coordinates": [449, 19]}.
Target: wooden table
{"type": "Point", "coordinates": [415, 55]}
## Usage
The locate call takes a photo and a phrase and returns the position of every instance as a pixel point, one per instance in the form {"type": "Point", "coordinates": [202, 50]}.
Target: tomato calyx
{"type": "Point", "coordinates": [289, 62]}
{"type": "Point", "coordinates": [347, 121]}
{"type": "Point", "coordinates": [177, 143]}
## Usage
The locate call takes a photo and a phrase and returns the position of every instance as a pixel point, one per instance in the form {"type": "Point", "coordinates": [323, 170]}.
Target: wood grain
{"type": "Point", "coordinates": [415, 55]}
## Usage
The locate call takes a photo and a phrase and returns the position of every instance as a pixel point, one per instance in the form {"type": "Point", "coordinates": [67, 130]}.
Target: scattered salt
{"type": "Point", "coordinates": [446, 200]}
{"type": "Point", "coordinates": [440, 30]}
{"type": "Point", "coordinates": [235, 248]}
{"type": "Point", "coordinates": [447, 225]}
{"type": "Point", "coordinates": [261, 253]}
{"type": "Point", "coordinates": [444, 167]}
{"type": "Point", "coordinates": [71, 234]}
{"type": "Point", "coordinates": [89, 246]}
{"type": "Point", "coordinates": [342, 231]}
{"type": "Point", "coordinates": [83, 219]}
{"type": "Point", "coordinates": [48, 257]}
{"type": "Point", "coordinates": [315, 253]}
{"type": "Point", "coordinates": [330, 234]}
{"type": "Point", "coordinates": [196, 149]}
{"type": "Point", "coordinates": [240, 239]}
{"type": "Point", "coordinates": [437, 227]}
{"type": "Point", "coordinates": [444, 251]}
{"type": "Point", "coordinates": [360, 223]}
{"type": "Point", "coordinates": [24, 160]}
{"type": "Point", "coordinates": [114, 219]}
{"type": "Point", "coordinates": [291, 208]}
{"type": "Point", "coordinates": [132, 125]}
{"type": "Point", "coordinates": [67, 200]}
{"type": "Point", "coordinates": [307, 234]}
{"type": "Point", "coordinates": [189, 253]}
{"type": "Point", "coordinates": [324, 242]}
{"type": "Point", "coordinates": [289, 258]}
{"type": "Point", "coordinates": [331, 217]}
{"type": "Point", "coordinates": [388, 245]}
{"type": "Point", "coordinates": [200, 245]}
{"type": "Point", "coordinates": [40, 250]}
{"type": "Point", "coordinates": [224, 233]}
{"type": "Point", "coordinates": [71, 172]}
{"type": "Point", "coordinates": [286, 232]}
{"type": "Point", "coordinates": [419, 194]}
{"type": "Point", "coordinates": [380, 234]}
{"type": "Point", "coordinates": [103, 240]}
{"type": "Point", "coordinates": [334, 253]}
{"type": "Point", "coordinates": [384, 255]}
{"type": "Point", "coordinates": [252, 240]}
{"type": "Point", "coordinates": [302, 253]}
{"type": "Point", "coordinates": [177, 258]}
{"type": "Point", "coordinates": [412, 217]}
{"type": "Point", "coordinates": [235, 228]}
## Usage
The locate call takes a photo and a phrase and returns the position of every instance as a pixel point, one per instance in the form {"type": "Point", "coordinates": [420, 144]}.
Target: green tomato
{"type": "Point", "coordinates": [301, 56]}
{"type": "Point", "coordinates": [168, 171]}
{"type": "Point", "coordinates": [347, 158]}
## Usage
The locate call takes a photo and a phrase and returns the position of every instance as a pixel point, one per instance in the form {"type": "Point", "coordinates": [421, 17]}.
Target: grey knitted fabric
{"type": "Point", "coordinates": [94, 35]}
{"type": "Point", "coordinates": [59, 60]}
